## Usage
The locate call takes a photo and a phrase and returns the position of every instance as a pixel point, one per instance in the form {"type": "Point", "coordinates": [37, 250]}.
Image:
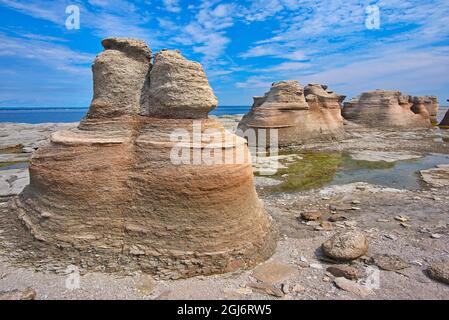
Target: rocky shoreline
{"type": "Point", "coordinates": [407, 230]}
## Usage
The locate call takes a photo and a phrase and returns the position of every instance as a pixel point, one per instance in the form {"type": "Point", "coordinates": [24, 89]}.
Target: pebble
{"type": "Point", "coordinates": [311, 216]}
{"type": "Point", "coordinates": [316, 266]}
{"type": "Point", "coordinates": [353, 287]}
{"type": "Point", "coordinates": [436, 236]}
{"type": "Point", "coordinates": [390, 236]}
{"type": "Point", "coordinates": [298, 288]}
{"type": "Point", "coordinates": [345, 271]}
{"type": "Point", "coordinates": [337, 217]}
{"type": "Point", "coordinates": [244, 291]}
{"type": "Point", "coordinates": [324, 226]}
{"type": "Point", "coordinates": [267, 288]}
{"type": "Point", "coordinates": [402, 218]}
{"type": "Point", "coordinates": [351, 223]}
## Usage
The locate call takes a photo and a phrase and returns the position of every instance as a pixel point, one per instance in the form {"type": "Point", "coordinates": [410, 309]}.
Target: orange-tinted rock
{"type": "Point", "coordinates": [432, 106]}
{"type": "Point", "coordinates": [299, 114]}
{"type": "Point", "coordinates": [387, 109]}
{"type": "Point", "coordinates": [121, 188]}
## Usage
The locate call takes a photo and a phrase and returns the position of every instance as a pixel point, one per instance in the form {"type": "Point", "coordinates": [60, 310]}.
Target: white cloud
{"type": "Point", "coordinates": [105, 18]}
{"type": "Point", "coordinates": [172, 6]}
{"type": "Point", "coordinates": [55, 56]}
{"type": "Point", "coordinates": [255, 82]}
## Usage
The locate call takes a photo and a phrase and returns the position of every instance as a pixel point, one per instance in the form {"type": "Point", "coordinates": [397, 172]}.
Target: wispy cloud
{"type": "Point", "coordinates": [245, 45]}
{"type": "Point", "coordinates": [45, 53]}
{"type": "Point", "coordinates": [172, 5]}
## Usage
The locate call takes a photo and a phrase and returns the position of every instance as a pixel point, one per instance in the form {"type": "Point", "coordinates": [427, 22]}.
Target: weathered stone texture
{"type": "Point", "coordinates": [110, 188]}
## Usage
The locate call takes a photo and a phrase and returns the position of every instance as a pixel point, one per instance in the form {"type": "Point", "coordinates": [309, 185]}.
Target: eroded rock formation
{"type": "Point", "coordinates": [445, 122]}
{"type": "Point", "coordinates": [121, 188]}
{"type": "Point", "coordinates": [390, 109]}
{"type": "Point", "coordinates": [432, 106]}
{"type": "Point", "coordinates": [299, 114]}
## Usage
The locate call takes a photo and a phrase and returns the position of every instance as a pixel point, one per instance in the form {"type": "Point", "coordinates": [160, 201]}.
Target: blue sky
{"type": "Point", "coordinates": [244, 45]}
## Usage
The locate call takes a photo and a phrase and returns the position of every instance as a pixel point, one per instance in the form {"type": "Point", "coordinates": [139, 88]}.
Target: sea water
{"type": "Point", "coordinates": [44, 115]}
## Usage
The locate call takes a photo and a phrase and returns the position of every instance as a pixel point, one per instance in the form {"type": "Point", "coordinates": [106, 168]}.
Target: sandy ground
{"type": "Point", "coordinates": [423, 239]}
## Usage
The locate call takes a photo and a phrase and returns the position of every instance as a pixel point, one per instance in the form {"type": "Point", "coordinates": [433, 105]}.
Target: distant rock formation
{"type": "Point", "coordinates": [111, 190]}
{"type": "Point", "coordinates": [445, 122]}
{"type": "Point", "coordinates": [432, 105]}
{"type": "Point", "coordinates": [389, 109]}
{"type": "Point", "coordinates": [300, 115]}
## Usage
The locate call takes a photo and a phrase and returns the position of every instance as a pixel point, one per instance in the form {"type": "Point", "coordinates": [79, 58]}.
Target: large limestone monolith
{"type": "Point", "coordinates": [300, 115]}
{"type": "Point", "coordinates": [387, 109]}
{"type": "Point", "coordinates": [147, 181]}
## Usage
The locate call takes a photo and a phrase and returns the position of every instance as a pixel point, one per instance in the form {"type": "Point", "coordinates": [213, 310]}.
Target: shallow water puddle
{"type": "Point", "coordinates": [402, 175]}
{"type": "Point", "coordinates": [319, 169]}
{"type": "Point", "coordinates": [14, 165]}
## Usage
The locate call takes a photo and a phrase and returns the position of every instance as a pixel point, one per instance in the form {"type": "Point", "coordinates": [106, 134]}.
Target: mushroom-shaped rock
{"type": "Point", "coordinates": [148, 187]}
{"type": "Point", "coordinates": [419, 107]}
{"type": "Point", "coordinates": [386, 109]}
{"type": "Point", "coordinates": [347, 245]}
{"type": "Point", "coordinates": [178, 88]}
{"type": "Point", "coordinates": [300, 115]}
{"type": "Point", "coordinates": [432, 106]}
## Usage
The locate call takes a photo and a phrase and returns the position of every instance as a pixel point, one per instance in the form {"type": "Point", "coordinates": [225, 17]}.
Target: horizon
{"type": "Point", "coordinates": [244, 46]}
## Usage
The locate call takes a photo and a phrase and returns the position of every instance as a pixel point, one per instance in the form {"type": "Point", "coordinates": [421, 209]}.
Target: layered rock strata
{"type": "Point", "coordinates": [300, 115]}
{"type": "Point", "coordinates": [147, 178]}
{"type": "Point", "coordinates": [387, 109]}
{"type": "Point", "coordinates": [432, 106]}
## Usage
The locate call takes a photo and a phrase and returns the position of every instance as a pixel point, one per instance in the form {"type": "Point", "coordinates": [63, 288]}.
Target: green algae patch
{"type": "Point", "coordinates": [351, 164]}
{"type": "Point", "coordinates": [314, 170]}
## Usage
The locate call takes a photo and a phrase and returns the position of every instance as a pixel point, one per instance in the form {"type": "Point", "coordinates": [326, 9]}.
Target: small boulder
{"type": "Point", "coordinates": [344, 271]}
{"type": "Point", "coordinates": [439, 271]}
{"type": "Point", "coordinates": [311, 216]}
{"type": "Point", "coordinates": [348, 245]}
{"type": "Point", "coordinates": [390, 262]}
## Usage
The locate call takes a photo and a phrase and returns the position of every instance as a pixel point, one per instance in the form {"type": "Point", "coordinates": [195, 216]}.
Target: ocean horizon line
{"type": "Point", "coordinates": [87, 108]}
